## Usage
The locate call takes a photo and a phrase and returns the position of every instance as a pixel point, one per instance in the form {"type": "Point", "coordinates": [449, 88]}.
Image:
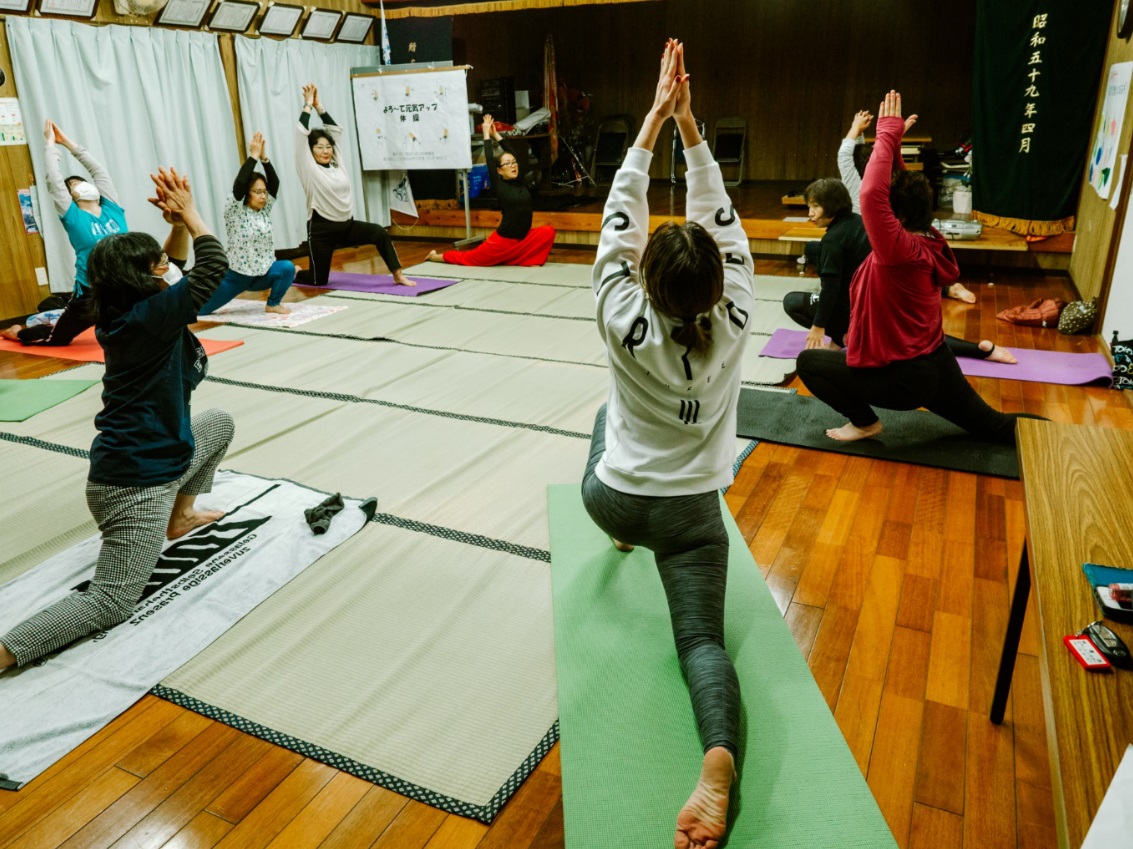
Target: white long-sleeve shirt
{"type": "Point", "coordinates": [671, 414]}
{"type": "Point", "coordinates": [53, 163]}
{"type": "Point", "coordinates": [850, 177]}
{"type": "Point", "coordinates": [327, 188]}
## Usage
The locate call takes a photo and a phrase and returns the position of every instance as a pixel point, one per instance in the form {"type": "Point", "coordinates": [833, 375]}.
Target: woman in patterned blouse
{"type": "Point", "coordinates": [252, 266]}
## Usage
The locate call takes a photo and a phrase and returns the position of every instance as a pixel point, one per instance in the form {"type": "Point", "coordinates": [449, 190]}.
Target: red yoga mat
{"type": "Point", "coordinates": [85, 348]}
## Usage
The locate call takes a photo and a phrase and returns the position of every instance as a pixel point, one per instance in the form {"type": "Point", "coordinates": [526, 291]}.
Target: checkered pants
{"type": "Point", "coordinates": [133, 521]}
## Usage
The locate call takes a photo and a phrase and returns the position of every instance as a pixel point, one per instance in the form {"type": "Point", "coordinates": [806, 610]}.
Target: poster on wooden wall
{"type": "Point", "coordinates": [11, 122]}
{"type": "Point", "coordinates": [1103, 154]}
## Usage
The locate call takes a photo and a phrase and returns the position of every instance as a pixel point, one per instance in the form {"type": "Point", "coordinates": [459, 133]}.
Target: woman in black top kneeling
{"type": "Point", "coordinates": [149, 460]}
{"type": "Point", "coordinates": [515, 241]}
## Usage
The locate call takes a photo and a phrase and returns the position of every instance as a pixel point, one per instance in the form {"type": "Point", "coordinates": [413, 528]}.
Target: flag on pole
{"type": "Point", "coordinates": [401, 193]}
{"type": "Point", "coordinates": [386, 60]}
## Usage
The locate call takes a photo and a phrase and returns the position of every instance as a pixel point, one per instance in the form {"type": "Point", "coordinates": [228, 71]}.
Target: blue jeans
{"type": "Point", "coordinates": [278, 278]}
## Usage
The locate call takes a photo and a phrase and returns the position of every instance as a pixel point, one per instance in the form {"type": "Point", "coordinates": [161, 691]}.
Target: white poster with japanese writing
{"type": "Point", "coordinates": [415, 120]}
{"type": "Point", "coordinates": [1103, 154]}
{"type": "Point", "coordinates": [11, 122]}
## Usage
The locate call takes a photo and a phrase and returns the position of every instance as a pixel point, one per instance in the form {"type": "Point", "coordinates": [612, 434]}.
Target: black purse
{"type": "Point", "coordinates": [1122, 362]}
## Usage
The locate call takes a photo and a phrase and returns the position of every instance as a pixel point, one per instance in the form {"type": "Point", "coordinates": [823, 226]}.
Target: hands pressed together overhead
{"type": "Point", "coordinates": [891, 108]}
{"type": "Point", "coordinates": [256, 146]}
{"type": "Point", "coordinates": [174, 195]}
{"type": "Point", "coordinates": [672, 96]}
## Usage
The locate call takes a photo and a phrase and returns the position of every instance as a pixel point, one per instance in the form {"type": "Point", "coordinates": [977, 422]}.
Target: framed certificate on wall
{"type": "Point", "coordinates": [355, 28]}
{"type": "Point", "coordinates": [233, 16]}
{"type": "Point", "coordinates": [68, 8]}
{"type": "Point", "coordinates": [321, 24]}
{"type": "Point", "coordinates": [280, 19]}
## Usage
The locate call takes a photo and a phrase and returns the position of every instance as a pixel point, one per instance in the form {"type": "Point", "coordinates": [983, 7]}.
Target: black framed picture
{"type": "Point", "coordinates": [280, 19]}
{"type": "Point", "coordinates": [183, 13]}
{"type": "Point", "coordinates": [233, 16]}
{"type": "Point", "coordinates": [15, 5]}
{"type": "Point", "coordinates": [321, 24]}
{"type": "Point", "coordinates": [355, 28]}
{"type": "Point", "coordinates": [68, 8]}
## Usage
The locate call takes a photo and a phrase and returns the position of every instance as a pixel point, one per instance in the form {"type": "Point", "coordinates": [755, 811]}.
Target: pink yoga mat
{"type": "Point", "coordinates": [85, 348]}
{"type": "Point", "coordinates": [1033, 366]}
{"type": "Point", "coordinates": [382, 284]}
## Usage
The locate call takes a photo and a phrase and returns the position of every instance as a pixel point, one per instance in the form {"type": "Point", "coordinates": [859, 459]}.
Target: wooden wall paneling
{"type": "Point", "coordinates": [795, 72]}
{"type": "Point", "coordinates": [20, 252]}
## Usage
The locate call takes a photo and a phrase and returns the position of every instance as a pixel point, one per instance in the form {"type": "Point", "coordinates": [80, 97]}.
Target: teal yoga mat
{"type": "Point", "coordinates": [630, 754]}
{"type": "Point", "coordinates": [22, 399]}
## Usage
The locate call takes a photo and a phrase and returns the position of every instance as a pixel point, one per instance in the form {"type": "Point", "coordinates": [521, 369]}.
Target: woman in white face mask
{"type": "Point", "coordinates": [90, 212]}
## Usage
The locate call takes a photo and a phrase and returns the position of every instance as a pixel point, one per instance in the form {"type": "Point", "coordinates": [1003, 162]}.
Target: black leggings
{"type": "Point", "coordinates": [76, 318]}
{"type": "Point", "coordinates": [933, 381]}
{"type": "Point", "coordinates": [324, 237]}
{"type": "Point", "coordinates": [688, 539]}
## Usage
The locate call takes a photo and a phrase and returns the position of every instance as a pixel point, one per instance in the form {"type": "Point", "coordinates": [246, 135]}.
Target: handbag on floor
{"type": "Point", "coordinates": [1041, 312]}
{"type": "Point", "coordinates": [1078, 317]}
{"type": "Point", "coordinates": [1122, 362]}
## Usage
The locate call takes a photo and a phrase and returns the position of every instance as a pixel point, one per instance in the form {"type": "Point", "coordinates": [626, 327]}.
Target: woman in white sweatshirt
{"type": "Point", "coordinates": [673, 311]}
{"type": "Point", "coordinates": [330, 203]}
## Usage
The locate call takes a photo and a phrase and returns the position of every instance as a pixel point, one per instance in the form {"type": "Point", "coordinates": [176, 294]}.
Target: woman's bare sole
{"type": "Point", "coordinates": [997, 355]}
{"type": "Point", "coordinates": [12, 333]}
{"type": "Point", "coordinates": [703, 820]}
{"type": "Point", "coordinates": [850, 432]}
{"type": "Point", "coordinates": [622, 546]}
{"type": "Point", "coordinates": [182, 523]}
{"type": "Point", "coordinates": [960, 292]}
{"type": "Point", "coordinates": [277, 308]}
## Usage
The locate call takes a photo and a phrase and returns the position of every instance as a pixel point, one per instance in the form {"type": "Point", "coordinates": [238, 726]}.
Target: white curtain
{"type": "Point", "coordinates": [271, 75]}
{"type": "Point", "coordinates": [136, 98]}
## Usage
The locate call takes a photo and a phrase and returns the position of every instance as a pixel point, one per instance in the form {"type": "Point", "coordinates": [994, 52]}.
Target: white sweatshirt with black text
{"type": "Point", "coordinates": [671, 414]}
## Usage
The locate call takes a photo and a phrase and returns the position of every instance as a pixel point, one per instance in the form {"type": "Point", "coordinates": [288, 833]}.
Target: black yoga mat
{"type": "Point", "coordinates": [908, 436]}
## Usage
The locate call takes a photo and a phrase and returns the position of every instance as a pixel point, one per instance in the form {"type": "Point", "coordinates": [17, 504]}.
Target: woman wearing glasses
{"type": "Point", "coordinates": [515, 241]}
{"type": "Point", "coordinates": [252, 266]}
{"type": "Point", "coordinates": [151, 457]}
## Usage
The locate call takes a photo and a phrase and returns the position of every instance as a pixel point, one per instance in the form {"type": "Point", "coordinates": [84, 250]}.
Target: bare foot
{"type": "Point", "coordinates": [6, 658]}
{"type": "Point", "coordinates": [850, 432]}
{"type": "Point", "coordinates": [10, 333]}
{"type": "Point", "coordinates": [997, 355]}
{"type": "Point", "coordinates": [961, 293]}
{"type": "Point", "coordinates": [434, 257]}
{"type": "Point", "coordinates": [401, 280]}
{"type": "Point", "coordinates": [704, 818]}
{"type": "Point", "coordinates": [830, 345]}
{"type": "Point", "coordinates": [181, 523]}
{"type": "Point", "coordinates": [622, 546]}
{"type": "Point", "coordinates": [278, 308]}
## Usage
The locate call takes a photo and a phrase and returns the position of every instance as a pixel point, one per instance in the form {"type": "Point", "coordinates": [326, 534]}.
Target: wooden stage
{"type": "Point", "coordinates": [760, 205]}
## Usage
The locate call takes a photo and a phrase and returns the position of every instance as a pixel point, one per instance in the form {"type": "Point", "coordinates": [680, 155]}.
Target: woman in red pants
{"type": "Point", "coordinates": [515, 242]}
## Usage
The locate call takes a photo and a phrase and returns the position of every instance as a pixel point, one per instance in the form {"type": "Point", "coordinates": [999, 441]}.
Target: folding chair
{"type": "Point", "coordinates": [614, 136]}
{"type": "Point", "coordinates": [729, 146]}
{"type": "Point", "coordinates": [677, 166]}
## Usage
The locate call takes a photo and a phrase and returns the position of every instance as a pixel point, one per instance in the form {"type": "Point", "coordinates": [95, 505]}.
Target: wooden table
{"type": "Point", "coordinates": [1078, 484]}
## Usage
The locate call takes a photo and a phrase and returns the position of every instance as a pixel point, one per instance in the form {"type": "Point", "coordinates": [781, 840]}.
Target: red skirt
{"type": "Point", "coordinates": [532, 249]}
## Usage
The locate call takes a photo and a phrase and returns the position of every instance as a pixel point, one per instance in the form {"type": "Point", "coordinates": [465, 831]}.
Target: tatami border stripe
{"type": "Point", "coordinates": [478, 540]}
{"type": "Point", "coordinates": [356, 399]}
{"type": "Point", "coordinates": [351, 338]}
{"type": "Point", "coordinates": [462, 536]}
{"type": "Point", "coordinates": [482, 813]}
{"type": "Point", "coordinates": [416, 303]}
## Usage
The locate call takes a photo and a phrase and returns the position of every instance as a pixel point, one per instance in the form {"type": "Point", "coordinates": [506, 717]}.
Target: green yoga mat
{"type": "Point", "coordinates": [22, 399]}
{"type": "Point", "coordinates": [908, 436]}
{"type": "Point", "coordinates": [630, 754]}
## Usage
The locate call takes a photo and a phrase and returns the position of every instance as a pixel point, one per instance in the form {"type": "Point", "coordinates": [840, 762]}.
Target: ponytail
{"type": "Point", "coordinates": [695, 334]}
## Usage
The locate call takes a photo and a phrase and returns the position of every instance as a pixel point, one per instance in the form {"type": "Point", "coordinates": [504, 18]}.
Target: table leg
{"type": "Point", "coordinates": [1011, 638]}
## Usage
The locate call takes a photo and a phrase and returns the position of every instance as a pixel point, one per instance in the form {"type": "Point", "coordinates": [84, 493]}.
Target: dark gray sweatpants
{"type": "Point", "coordinates": [690, 544]}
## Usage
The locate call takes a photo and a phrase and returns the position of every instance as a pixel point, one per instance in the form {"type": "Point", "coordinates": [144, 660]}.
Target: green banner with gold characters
{"type": "Point", "coordinates": [1035, 83]}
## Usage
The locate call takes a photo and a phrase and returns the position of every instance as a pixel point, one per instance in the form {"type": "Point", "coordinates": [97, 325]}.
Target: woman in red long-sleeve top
{"type": "Point", "coordinates": [895, 356]}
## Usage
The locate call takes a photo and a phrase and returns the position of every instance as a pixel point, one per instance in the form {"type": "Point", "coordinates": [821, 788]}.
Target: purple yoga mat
{"type": "Point", "coordinates": [382, 284]}
{"type": "Point", "coordinates": [1033, 366]}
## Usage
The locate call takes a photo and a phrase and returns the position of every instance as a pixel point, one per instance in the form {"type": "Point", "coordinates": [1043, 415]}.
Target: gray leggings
{"type": "Point", "coordinates": [690, 544]}
{"type": "Point", "coordinates": [133, 521]}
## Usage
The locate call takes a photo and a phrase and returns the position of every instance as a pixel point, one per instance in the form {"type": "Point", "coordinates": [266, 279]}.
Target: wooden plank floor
{"type": "Point", "coordinates": [893, 579]}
